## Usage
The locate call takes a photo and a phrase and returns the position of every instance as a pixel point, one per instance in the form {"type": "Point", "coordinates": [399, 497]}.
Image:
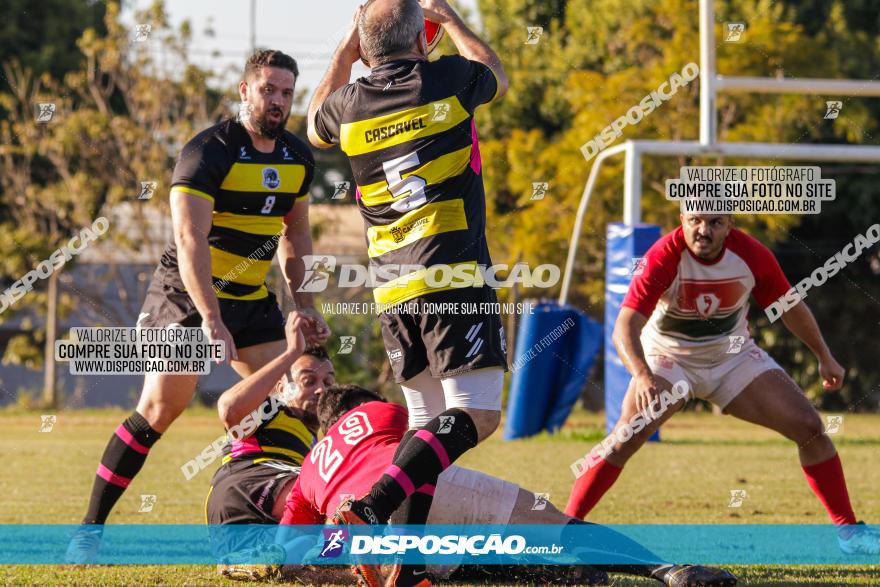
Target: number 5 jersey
{"type": "Point", "coordinates": [408, 131]}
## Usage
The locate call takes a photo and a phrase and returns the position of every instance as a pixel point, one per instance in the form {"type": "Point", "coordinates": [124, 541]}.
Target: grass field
{"type": "Point", "coordinates": [46, 479]}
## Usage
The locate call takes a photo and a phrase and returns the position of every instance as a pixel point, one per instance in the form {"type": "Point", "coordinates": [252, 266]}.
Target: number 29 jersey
{"type": "Point", "coordinates": [408, 131]}
{"type": "Point", "coordinates": [351, 457]}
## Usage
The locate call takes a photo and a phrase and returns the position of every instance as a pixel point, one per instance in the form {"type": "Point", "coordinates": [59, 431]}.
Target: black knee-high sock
{"type": "Point", "coordinates": [415, 508]}
{"type": "Point", "coordinates": [421, 459]}
{"type": "Point", "coordinates": [123, 458]}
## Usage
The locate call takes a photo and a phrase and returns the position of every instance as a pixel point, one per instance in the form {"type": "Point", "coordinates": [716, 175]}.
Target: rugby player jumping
{"type": "Point", "coordinates": [238, 194]}
{"type": "Point", "coordinates": [684, 318]}
{"type": "Point", "coordinates": [408, 131]}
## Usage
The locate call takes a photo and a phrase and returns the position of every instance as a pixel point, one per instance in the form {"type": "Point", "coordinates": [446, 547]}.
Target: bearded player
{"type": "Point", "coordinates": [409, 133]}
{"type": "Point", "coordinates": [684, 318]}
{"type": "Point", "coordinates": [239, 193]}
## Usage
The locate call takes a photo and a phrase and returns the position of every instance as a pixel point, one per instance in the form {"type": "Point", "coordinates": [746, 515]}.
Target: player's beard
{"type": "Point", "coordinates": [708, 253]}
{"type": "Point", "coordinates": [269, 129]}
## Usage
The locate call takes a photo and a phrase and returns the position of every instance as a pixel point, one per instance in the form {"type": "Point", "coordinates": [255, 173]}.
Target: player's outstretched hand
{"type": "Point", "coordinates": [294, 329]}
{"type": "Point", "coordinates": [831, 373]}
{"type": "Point", "coordinates": [647, 391]}
{"type": "Point", "coordinates": [217, 332]}
{"type": "Point", "coordinates": [351, 44]}
{"type": "Point", "coordinates": [438, 11]}
{"type": "Point", "coordinates": [316, 330]}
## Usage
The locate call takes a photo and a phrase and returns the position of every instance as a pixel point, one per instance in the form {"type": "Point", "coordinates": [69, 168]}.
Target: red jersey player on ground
{"type": "Point", "coordinates": [380, 426]}
{"type": "Point", "coordinates": [684, 319]}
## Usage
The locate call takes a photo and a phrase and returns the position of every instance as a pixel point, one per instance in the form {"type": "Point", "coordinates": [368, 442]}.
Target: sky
{"type": "Point", "coordinates": [308, 30]}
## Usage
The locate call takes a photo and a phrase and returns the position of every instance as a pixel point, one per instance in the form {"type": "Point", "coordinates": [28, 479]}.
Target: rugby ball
{"type": "Point", "coordinates": [433, 35]}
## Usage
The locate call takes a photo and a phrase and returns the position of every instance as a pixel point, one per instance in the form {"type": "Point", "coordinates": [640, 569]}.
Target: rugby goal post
{"type": "Point", "coordinates": [708, 146]}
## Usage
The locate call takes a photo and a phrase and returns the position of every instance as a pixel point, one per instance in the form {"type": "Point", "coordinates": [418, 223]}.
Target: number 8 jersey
{"type": "Point", "coordinates": [408, 130]}
{"type": "Point", "coordinates": [251, 192]}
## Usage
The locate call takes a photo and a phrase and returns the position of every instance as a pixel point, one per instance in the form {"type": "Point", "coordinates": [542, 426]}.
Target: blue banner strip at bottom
{"type": "Point", "coordinates": [440, 545]}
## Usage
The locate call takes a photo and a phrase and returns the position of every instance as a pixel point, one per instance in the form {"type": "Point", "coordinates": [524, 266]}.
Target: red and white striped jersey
{"type": "Point", "coordinates": [695, 306]}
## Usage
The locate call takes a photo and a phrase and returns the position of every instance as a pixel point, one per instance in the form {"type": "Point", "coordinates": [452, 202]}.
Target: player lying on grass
{"type": "Point", "coordinates": [273, 414]}
{"type": "Point", "coordinates": [684, 319]}
{"type": "Point", "coordinates": [361, 434]}
{"type": "Point", "coordinates": [252, 485]}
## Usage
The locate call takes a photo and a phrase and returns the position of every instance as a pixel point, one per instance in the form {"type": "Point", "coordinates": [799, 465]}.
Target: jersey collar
{"type": "Point", "coordinates": [391, 66]}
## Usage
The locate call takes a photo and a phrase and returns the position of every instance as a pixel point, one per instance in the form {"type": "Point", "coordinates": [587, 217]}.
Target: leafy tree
{"type": "Point", "coordinates": [43, 34]}
{"type": "Point", "coordinates": [120, 117]}
{"type": "Point", "coordinates": [597, 59]}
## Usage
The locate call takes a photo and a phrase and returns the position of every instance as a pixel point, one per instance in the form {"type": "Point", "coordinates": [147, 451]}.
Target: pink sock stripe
{"type": "Point", "coordinates": [436, 445]}
{"type": "Point", "coordinates": [126, 437]}
{"type": "Point", "coordinates": [426, 489]}
{"type": "Point", "coordinates": [111, 477]}
{"type": "Point", "coordinates": [401, 478]}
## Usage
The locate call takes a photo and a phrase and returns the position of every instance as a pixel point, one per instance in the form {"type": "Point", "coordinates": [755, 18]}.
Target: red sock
{"type": "Point", "coordinates": [590, 487]}
{"type": "Point", "coordinates": [827, 481]}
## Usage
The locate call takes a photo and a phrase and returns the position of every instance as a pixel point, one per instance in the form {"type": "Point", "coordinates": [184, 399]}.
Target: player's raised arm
{"type": "Point", "coordinates": [800, 321]}
{"type": "Point", "coordinates": [338, 74]}
{"type": "Point", "coordinates": [296, 244]}
{"type": "Point", "coordinates": [469, 45]}
{"type": "Point", "coordinates": [246, 395]}
{"type": "Point", "coordinates": [191, 221]}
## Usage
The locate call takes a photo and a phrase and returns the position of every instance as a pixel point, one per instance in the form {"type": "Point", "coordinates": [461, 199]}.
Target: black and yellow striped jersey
{"type": "Point", "coordinates": [251, 192]}
{"type": "Point", "coordinates": [408, 130]}
{"type": "Point", "coordinates": [282, 437]}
